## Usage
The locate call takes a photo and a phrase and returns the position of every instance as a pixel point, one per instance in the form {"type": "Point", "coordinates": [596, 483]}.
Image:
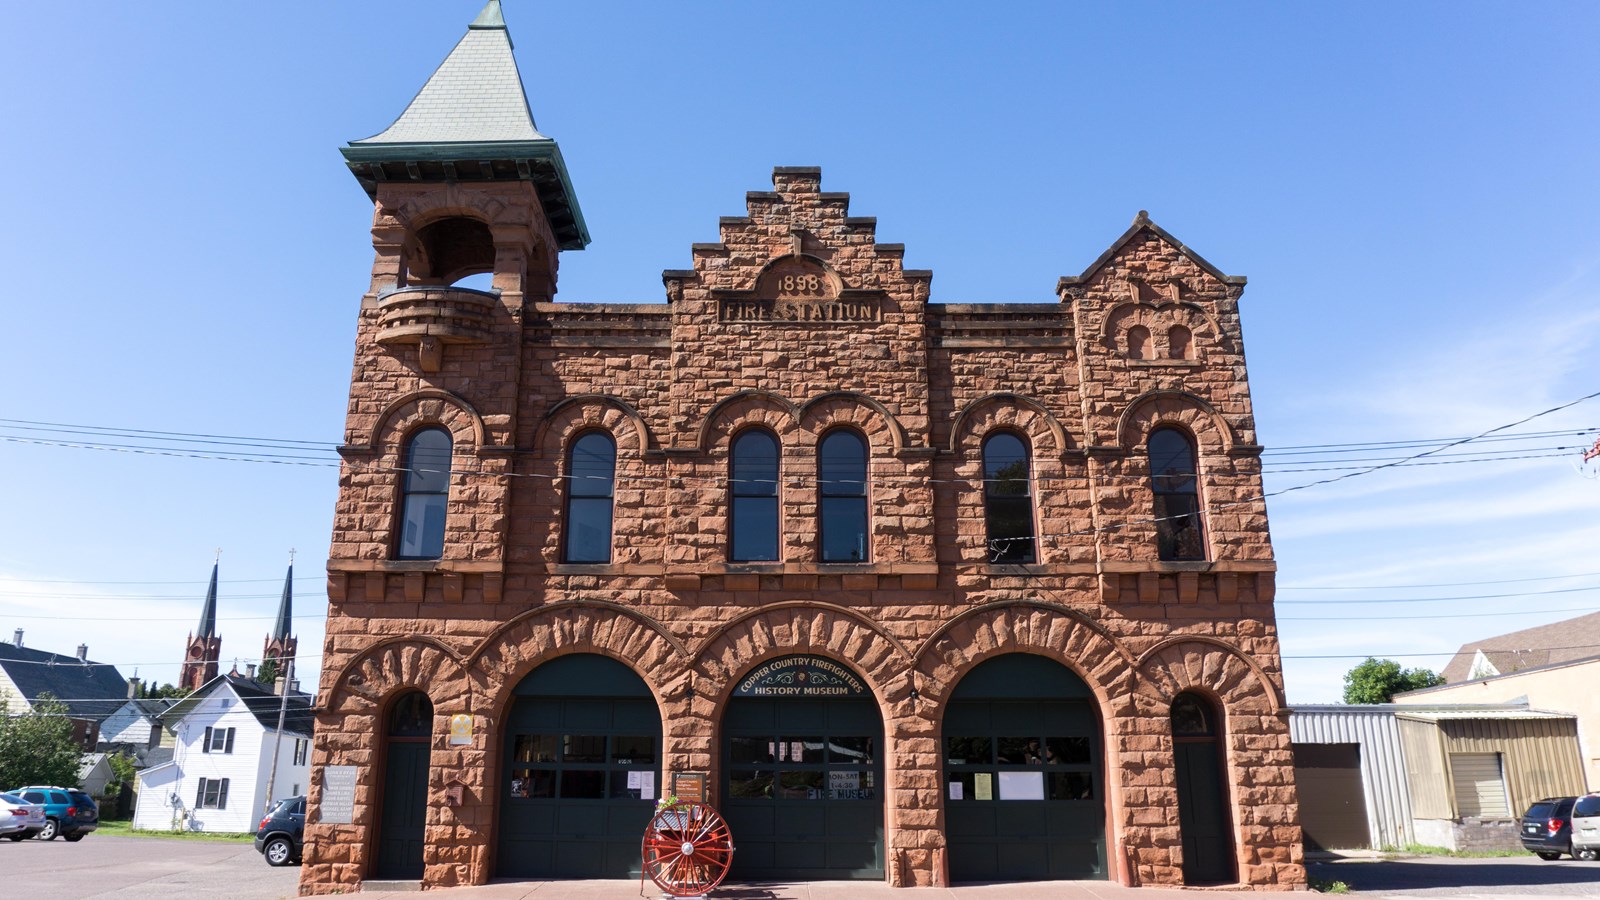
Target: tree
{"type": "Point", "coordinates": [122, 771]}
{"type": "Point", "coordinates": [1378, 680]}
{"type": "Point", "coordinates": [37, 747]}
{"type": "Point", "coordinates": [268, 673]}
{"type": "Point", "coordinates": [166, 692]}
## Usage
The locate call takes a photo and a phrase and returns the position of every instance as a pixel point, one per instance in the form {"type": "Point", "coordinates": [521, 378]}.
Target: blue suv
{"type": "Point", "coordinates": [68, 812]}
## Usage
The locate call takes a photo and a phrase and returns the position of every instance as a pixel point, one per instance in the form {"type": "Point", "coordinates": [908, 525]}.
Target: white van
{"type": "Point", "coordinates": [1586, 827]}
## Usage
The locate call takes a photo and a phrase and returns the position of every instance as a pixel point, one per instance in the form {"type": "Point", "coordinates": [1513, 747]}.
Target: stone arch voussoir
{"type": "Point", "coordinates": [430, 406]}
{"type": "Point", "coordinates": [598, 412]}
{"type": "Point", "coordinates": [744, 409]}
{"type": "Point", "coordinates": [390, 666]}
{"type": "Point", "coordinates": [1209, 666]}
{"type": "Point", "coordinates": [1027, 626]}
{"type": "Point", "coordinates": [1013, 412]}
{"type": "Point", "coordinates": [840, 634]}
{"type": "Point", "coordinates": [1180, 408]}
{"type": "Point", "coordinates": [517, 647]}
{"type": "Point", "coordinates": [873, 419]}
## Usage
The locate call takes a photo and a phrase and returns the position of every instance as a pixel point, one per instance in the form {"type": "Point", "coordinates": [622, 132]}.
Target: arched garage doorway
{"type": "Point", "coordinates": [802, 773]}
{"type": "Point", "coordinates": [1023, 786]}
{"type": "Point", "coordinates": [582, 753]}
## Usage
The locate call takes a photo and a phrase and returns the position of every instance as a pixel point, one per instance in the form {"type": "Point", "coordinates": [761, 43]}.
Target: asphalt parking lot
{"type": "Point", "coordinates": [128, 868]}
{"type": "Point", "coordinates": [137, 868]}
{"type": "Point", "coordinates": [1463, 879]}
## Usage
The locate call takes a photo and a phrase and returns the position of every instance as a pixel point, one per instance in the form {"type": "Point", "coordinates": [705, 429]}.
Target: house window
{"type": "Point", "coordinates": [754, 528]}
{"type": "Point", "coordinates": [296, 791]}
{"type": "Point", "coordinates": [213, 793]}
{"type": "Point", "coordinates": [302, 749]}
{"type": "Point", "coordinates": [591, 476]}
{"type": "Point", "coordinates": [1174, 477]}
{"type": "Point", "coordinates": [1007, 504]}
{"type": "Point", "coordinates": [427, 495]}
{"type": "Point", "coordinates": [842, 506]}
{"type": "Point", "coordinates": [218, 740]}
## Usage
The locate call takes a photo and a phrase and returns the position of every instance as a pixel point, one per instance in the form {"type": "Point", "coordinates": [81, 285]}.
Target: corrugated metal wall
{"type": "Point", "coordinates": [1425, 770]}
{"type": "Point", "coordinates": [1382, 764]}
{"type": "Point", "coordinates": [1539, 756]}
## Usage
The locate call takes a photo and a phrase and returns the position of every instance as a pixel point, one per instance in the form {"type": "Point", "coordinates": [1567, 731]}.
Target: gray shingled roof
{"type": "Point", "coordinates": [1558, 642]}
{"type": "Point", "coordinates": [258, 698]}
{"type": "Point", "coordinates": [90, 690]}
{"type": "Point", "coordinates": [475, 96]}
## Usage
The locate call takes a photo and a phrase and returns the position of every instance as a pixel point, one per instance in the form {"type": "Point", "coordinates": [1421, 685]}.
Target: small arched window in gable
{"type": "Point", "coordinates": [1007, 499]}
{"type": "Point", "coordinates": [591, 484]}
{"type": "Point", "coordinates": [754, 530]}
{"type": "Point", "coordinates": [842, 497]}
{"type": "Point", "coordinates": [1180, 343]}
{"type": "Point", "coordinates": [1174, 479]}
{"type": "Point", "coordinates": [1138, 342]}
{"type": "Point", "coordinates": [426, 495]}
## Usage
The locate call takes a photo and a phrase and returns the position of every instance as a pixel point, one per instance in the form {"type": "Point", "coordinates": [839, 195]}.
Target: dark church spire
{"type": "Point", "coordinates": [208, 613]}
{"type": "Point", "coordinates": [280, 629]}
{"type": "Point", "coordinates": [200, 656]}
{"type": "Point", "coordinates": [277, 652]}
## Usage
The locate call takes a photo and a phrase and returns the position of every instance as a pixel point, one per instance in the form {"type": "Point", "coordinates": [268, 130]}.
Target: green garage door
{"type": "Point", "coordinates": [803, 775]}
{"type": "Point", "coordinates": [1024, 794]}
{"type": "Point", "coordinates": [582, 749]}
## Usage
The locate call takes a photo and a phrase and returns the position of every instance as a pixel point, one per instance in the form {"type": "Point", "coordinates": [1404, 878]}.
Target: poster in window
{"type": "Point", "coordinates": [1021, 785]}
{"type": "Point", "coordinates": [983, 786]}
{"type": "Point", "coordinates": [956, 791]}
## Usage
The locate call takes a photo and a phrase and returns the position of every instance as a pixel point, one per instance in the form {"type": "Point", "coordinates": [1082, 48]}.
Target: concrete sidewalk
{"type": "Point", "coordinates": [812, 890]}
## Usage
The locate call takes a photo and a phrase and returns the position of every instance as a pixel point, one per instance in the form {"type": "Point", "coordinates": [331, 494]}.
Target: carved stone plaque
{"type": "Point", "coordinates": [338, 795]}
{"type": "Point", "coordinates": [799, 289]}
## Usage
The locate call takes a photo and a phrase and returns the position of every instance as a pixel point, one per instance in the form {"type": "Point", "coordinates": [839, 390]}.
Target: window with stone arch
{"type": "Point", "coordinates": [591, 488]}
{"type": "Point", "coordinates": [1180, 342]}
{"type": "Point", "coordinates": [753, 502]}
{"type": "Point", "coordinates": [1175, 482]}
{"type": "Point", "coordinates": [425, 494]}
{"type": "Point", "coordinates": [1008, 499]}
{"type": "Point", "coordinates": [1138, 342]}
{"type": "Point", "coordinates": [842, 496]}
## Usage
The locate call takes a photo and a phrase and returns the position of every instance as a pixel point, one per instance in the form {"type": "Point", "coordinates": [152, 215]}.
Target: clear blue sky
{"type": "Point", "coordinates": [1409, 187]}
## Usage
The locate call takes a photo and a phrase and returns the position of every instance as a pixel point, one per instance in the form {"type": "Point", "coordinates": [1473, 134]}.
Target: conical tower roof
{"type": "Point", "coordinates": [471, 122]}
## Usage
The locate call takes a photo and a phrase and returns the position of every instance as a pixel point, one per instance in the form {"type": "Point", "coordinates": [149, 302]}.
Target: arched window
{"type": "Point", "coordinates": [842, 497]}
{"type": "Point", "coordinates": [1180, 343]}
{"type": "Point", "coordinates": [754, 529]}
{"type": "Point", "coordinates": [1007, 501]}
{"type": "Point", "coordinates": [1205, 819]}
{"type": "Point", "coordinates": [591, 478]}
{"type": "Point", "coordinates": [1174, 478]}
{"type": "Point", "coordinates": [1138, 342]}
{"type": "Point", "coordinates": [426, 495]}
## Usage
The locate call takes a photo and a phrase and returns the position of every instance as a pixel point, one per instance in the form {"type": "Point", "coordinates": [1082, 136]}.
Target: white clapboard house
{"type": "Point", "coordinates": [223, 740]}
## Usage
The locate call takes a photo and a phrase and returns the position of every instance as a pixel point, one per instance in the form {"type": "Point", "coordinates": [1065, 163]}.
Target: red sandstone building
{"type": "Point", "coordinates": [927, 592]}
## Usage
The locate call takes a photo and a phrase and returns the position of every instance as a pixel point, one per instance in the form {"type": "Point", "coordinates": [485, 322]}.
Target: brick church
{"type": "Point", "coordinates": [910, 592]}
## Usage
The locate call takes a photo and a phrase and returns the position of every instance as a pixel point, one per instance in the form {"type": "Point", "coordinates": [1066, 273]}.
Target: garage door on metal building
{"type": "Point", "coordinates": [802, 773]}
{"type": "Point", "coordinates": [1333, 807]}
{"type": "Point", "coordinates": [1480, 785]}
{"type": "Point", "coordinates": [582, 757]}
{"type": "Point", "coordinates": [1023, 786]}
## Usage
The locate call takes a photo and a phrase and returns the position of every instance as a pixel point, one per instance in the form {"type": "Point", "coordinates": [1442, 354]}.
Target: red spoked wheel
{"type": "Point", "coordinates": [687, 849]}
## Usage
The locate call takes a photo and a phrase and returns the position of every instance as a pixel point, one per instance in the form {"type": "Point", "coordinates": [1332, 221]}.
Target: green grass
{"type": "Point", "coordinates": [1430, 850]}
{"type": "Point", "coordinates": [126, 829]}
{"type": "Point", "coordinates": [1322, 886]}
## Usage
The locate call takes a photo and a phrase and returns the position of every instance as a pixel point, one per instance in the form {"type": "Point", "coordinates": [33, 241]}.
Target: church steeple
{"type": "Point", "coordinates": [281, 644]}
{"type": "Point", "coordinates": [204, 646]}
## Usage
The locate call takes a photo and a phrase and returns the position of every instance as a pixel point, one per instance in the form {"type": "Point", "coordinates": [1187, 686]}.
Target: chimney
{"type": "Point", "coordinates": [278, 684]}
{"type": "Point", "coordinates": [83, 653]}
{"type": "Point", "coordinates": [133, 688]}
{"type": "Point", "coordinates": [250, 671]}
{"type": "Point", "coordinates": [295, 687]}
{"type": "Point", "coordinates": [18, 638]}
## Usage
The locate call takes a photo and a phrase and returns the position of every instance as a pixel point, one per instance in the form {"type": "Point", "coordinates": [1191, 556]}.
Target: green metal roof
{"type": "Point", "coordinates": [471, 121]}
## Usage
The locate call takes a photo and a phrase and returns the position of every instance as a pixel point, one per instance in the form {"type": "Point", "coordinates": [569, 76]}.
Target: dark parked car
{"type": "Point", "coordinates": [282, 831]}
{"type": "Point", "coordinates": [68, 812]}
{"type": "Point", "coordinates": [1547, 827]}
